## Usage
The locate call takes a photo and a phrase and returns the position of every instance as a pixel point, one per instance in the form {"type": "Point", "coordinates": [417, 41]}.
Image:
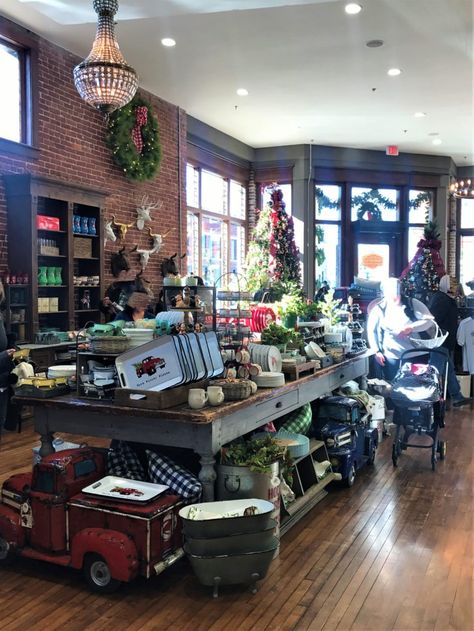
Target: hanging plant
{"type": "Point", "coordinates": [133, 137]}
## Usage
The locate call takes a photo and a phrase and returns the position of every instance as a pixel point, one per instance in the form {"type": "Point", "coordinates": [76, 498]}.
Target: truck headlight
{"type": "Point", "coordinates": [335, 462]}
{"type": "Point", "coordinates": [330, 442]}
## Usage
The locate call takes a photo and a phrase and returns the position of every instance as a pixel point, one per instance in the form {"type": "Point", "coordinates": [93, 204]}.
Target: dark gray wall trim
{"type": "Point", "coordinates": [466, 172]}
{"type": "Point", "coordinates": [219, 143]}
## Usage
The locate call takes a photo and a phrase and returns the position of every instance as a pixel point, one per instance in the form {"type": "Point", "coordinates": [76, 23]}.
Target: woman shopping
{"type": "Point", "coordinates": [390, 324]}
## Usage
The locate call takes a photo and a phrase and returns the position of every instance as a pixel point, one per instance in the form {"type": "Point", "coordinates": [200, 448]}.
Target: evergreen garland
{"type": "Point", "coordinates": [136, 165]}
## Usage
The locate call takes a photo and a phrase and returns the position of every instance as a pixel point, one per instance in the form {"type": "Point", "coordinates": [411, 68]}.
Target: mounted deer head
{"type": "Point", "coordinates": [109, 234]}
{"type": "Point", "coordinates": [144, 209]}
{"type": "Point", "coordinates": [122, 228]}
{"type": "Point", "coordinates": [119, 262]}
{"type": "Point", "coordinates": [157, 240]}
{"type": "Point", "coordinates": [169, 266]}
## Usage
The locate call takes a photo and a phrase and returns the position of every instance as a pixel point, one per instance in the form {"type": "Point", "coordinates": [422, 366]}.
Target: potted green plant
{"type": "Point", "coordinates": [290, 307]}
{"type": "Point", "coordinates": [276, 335]}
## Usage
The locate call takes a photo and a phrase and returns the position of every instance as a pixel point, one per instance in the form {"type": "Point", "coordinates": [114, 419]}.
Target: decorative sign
{"type": "Point", "coordinates": [392, 150]}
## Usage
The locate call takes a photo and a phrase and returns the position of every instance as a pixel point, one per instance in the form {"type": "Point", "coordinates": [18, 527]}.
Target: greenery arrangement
{"type": "Point", "coordinates": [311, 311]}
{"type": "Point", "coordinates": [291, 302]}
{"type": "Point", "coordinates": [276, 335]}
{"type": "Point", "coordinates": [257, 454]}
{"type": "Point", "coordinates": [329, 308]}
{"type": "Point", "coordinates": [133, 137]}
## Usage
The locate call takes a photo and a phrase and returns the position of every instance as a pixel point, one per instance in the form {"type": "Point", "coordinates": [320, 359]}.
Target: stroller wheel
{"type": "Point", "coordinates": [394, 455]}
{"type": "Point", "coordinates": [442, 447]}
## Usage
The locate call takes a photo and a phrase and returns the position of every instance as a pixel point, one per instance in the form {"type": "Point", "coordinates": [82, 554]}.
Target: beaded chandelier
{"type": "Point", "coordinates": [104, 79]}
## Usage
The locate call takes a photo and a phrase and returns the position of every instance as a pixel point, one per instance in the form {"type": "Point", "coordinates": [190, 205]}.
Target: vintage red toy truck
{"type": "Point", "coordinates": [44, 515]}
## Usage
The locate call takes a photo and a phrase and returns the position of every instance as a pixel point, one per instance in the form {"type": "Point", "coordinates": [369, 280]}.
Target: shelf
{"type": "Point", "coordinates": [86, 258]}
{"type": "Point", "coordinates": [40, 313]}
{"type": "Point", "coordinates": [52, 231]}
{"type": "Point", "coordinates": [14, 285]}
{"type": "Point", "coordinates": [51, 286]}
{"type": "Point", "coordinates": [305, 503]}
{"type": "Point", "coordinates": [17, 305]}
{"type": "Point", "coordinates": [85, 235]}
{"type": "Point", "coordinates": [314, 445]}
{"type": "Point", "coordinates": [21, 322]}
{"type": "Point", "coordinates": [86, 286]}
{"type": "Point", "coordinates": [52, 256]}
{"type": "Point", "coordinates": [79, 311]}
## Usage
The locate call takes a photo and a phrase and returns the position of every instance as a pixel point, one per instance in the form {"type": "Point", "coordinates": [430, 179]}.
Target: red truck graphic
{"type": "Point", "coordinates": [149, 365]}
{"type": "Point", "coordinates": [45, 516]}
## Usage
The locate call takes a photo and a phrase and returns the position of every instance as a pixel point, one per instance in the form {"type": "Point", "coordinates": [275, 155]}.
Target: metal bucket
{"type": "Point", "coordinates": [240, 482]}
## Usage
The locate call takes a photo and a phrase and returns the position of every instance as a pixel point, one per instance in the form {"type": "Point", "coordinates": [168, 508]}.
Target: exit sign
{"type": "Point", "coordinates": [391, 150]}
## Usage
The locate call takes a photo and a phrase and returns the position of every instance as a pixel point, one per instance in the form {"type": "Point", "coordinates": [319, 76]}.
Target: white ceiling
{"type": "Point", "coordinates": [309, 74]}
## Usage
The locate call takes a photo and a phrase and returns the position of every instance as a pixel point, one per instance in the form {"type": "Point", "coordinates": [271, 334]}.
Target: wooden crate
{"type": "Point", "coordinates": [295, 371]}
{"type": "Point", "coordinates": [156, 400]}
{"type": "Point", "coordinates": [82, 247]}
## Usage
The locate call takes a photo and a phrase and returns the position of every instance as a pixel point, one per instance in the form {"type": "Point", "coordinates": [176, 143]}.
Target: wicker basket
{"type": "Point", "coordinates": [234, 390]}
{"type": "Point", "coordinates": [109, 344]}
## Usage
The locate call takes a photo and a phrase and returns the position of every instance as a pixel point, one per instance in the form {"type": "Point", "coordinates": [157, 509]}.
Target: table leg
{"type": "Point", "coordinates": [46, 444]}
{"type": "Point", "coordinates": [207, 476]}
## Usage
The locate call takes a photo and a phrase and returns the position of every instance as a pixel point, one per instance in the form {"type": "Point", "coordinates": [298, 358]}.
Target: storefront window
{"type": "Point", "coordinates": [420, 206]}
{"type": "Point", "coordinates": [216, 224]}
{"type": "Point", "coordinates": [369, 204]}
{"type": "Point", "coordinates": [10, 103]}
{"type": "Point", "coordinates": [327, 234]}
{"type": "Point", "coordinates": [466, 261]}
{"type": "Point", "coordinates": [415, 233]}
{"type": "Point", "coordinates": [467, 214]}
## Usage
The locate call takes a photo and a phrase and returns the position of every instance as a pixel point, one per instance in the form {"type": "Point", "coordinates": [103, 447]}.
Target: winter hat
{"type": "Point", "coordinates": [445, 284]}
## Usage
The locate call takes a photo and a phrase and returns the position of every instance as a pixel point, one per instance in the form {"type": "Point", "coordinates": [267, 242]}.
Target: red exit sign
{"type": "Point", "coordinates": [392, 150]}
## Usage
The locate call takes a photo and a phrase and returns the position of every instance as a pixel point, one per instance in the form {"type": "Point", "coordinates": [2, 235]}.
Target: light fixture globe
{"type": "Point", "coordinates": [104, 79]}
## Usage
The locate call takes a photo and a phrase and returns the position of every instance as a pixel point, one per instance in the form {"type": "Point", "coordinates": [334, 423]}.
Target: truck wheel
{"type": "Point", "coordinates": [98, 576]}
{"type": "Point", "coordinates": [349, 481]}
{"type": "Point", "coordinates": [7, 554]}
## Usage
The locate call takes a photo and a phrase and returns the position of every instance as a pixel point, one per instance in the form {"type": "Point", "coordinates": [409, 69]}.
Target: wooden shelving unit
{"type": "Point", "coordinates": [308, 487]}
{"type": "Point", "coordinates": [29, 196]}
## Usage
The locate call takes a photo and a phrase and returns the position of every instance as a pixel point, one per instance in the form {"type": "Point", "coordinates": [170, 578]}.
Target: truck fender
{"type": "Point", "coordinates": [118, 550]}
{"type": "Point", "coordinates": [10, 526]}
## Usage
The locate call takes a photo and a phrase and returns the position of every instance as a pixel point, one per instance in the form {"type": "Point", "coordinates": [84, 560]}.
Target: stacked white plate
{"type": "Point", "coordinates": [268, 357]}
{"type": "Point", "coordinates": [269, 379]}
{"type": "Point", "coordinates": [61, 371]}
{"type": "Point", "coordinates": [139, 336]}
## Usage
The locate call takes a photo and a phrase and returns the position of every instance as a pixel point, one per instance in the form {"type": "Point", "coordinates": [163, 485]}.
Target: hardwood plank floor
{"type": "Point", "coordinates": [394, 552]}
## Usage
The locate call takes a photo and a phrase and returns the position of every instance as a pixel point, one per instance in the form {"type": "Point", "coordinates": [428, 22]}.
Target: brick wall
{"type": "Point", "coordinates": [71, 139]}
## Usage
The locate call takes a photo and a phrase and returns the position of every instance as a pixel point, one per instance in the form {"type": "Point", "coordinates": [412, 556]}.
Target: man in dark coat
{"type": "Point", "coordinates": [445, 312]}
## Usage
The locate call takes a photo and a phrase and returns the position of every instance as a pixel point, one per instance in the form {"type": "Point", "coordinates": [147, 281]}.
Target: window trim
{"type": "Point", "coordinates": [27, 44]}
{"type": "Point", "coordinates": [460, 232]}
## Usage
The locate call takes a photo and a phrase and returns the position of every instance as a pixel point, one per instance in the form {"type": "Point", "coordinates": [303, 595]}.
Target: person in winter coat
{"type": "Point", "coordinates": [6, 366]}
{"type": "Point", "coordinates": [445, 312]}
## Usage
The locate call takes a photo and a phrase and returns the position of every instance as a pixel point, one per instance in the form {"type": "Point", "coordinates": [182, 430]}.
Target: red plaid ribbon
{"type": "Point", "coordinates": [141, 118]}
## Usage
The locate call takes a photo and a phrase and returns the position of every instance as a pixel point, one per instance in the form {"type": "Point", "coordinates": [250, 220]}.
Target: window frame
{"type": "Point", "coordinates": [340, 223]}
{"type": "Point", "coordinates": [227, 219]}
{"type": "Point", "coordinates": [460, 232]}
{"type": "Point", "coordinates": [26, 43]}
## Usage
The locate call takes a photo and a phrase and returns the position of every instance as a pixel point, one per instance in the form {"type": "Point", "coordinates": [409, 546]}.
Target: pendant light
{"type": "Point", "coordinates": [104, 79]}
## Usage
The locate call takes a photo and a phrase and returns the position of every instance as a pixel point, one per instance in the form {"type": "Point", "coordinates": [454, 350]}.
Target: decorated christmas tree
{"type": "Point", "coordinates": [273, 258]}
{"type": "Point", "coordinates": [421, 277]}
{"type": "Point", "coordinates": [284, 263]}
{"type": "Point", "coordinates": [258, 254]}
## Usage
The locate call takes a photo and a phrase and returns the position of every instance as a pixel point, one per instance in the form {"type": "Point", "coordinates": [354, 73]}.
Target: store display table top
{"type": "Point", "coordinates": [204, 431]}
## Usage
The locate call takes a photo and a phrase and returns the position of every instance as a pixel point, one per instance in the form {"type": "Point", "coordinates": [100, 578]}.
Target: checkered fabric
{"type": "Point", "coordinates": [122, 461]}
{"type": "Point", "coordinates": [182, 482]}
{"type": "Point", "coordinates": [299, 421]}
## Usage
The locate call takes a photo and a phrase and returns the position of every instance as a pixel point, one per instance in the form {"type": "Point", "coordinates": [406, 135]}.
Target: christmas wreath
{"type": "Point", "coordinates": [133, 137]}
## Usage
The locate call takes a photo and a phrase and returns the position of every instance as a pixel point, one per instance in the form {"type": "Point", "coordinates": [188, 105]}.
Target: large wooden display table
{"type": "Point", "coordinates": [203, 431]}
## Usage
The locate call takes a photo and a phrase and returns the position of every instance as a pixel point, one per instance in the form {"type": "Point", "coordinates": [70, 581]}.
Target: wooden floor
{"type": "Point", "coordinates": [393, 552]}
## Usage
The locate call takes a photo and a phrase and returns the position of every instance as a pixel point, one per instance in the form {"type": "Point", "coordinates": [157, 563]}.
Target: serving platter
{"type": "Point", "coordinates": [122, 489]}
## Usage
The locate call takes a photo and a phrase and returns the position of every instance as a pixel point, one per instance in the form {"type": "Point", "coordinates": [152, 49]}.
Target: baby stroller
{"type": "Point", "coordinates": [419, 395]}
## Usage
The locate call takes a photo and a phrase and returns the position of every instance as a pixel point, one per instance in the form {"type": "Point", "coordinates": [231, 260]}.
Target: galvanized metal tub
{"type": "Point", "coordinates": [225, 526]}
{"type": "Point", "coordinates": [233, 544]}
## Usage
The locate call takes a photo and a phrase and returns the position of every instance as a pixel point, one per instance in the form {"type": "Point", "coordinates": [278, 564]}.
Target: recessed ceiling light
{"type": "Point", "coordinates": [242, 92]}
{"type": "Point", "coordinates": [419, 114]}
{"type": "Point", "coordinates": [437, 141]}
{"type": "Point", "coordinates": [374, 43]}
{"type": "Point", "coordinates": [352, 8]}
{"type": "Point", "coordinates": [168, 41]}
{"type": "Point", "coordinates": [394, 72]}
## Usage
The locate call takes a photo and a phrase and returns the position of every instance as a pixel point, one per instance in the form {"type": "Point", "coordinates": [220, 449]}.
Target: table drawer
{"type": "Point", "coordinates": [343, 374]}
{"type": "Point", "coordinates": [277, 405]}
